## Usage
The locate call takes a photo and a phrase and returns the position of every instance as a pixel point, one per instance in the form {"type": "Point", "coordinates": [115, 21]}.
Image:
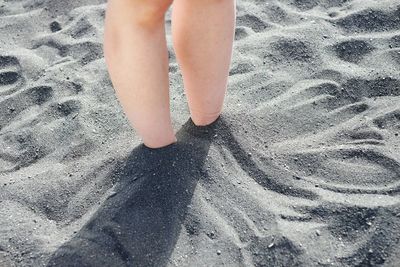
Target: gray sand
{"type": "Point", "coordinates": [301, 169]}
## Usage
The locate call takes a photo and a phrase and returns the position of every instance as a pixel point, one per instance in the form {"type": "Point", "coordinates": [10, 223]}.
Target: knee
{"type": "Point", "coordinates": [148, 13]}
{"type": "Point", "coordinates": [144, 13]}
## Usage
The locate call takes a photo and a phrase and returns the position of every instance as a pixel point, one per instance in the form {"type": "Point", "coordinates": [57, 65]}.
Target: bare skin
{"type": "Point", "coordinates": [203, 33]}
{"type": "Point", "coordinates": [136, 55]}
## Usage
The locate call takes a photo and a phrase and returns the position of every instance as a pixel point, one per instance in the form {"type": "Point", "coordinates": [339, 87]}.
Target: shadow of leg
{"type": "Point", "coordinates": [140, 223]}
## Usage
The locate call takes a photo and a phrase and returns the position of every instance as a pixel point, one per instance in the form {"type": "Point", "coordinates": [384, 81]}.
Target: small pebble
{"type": "Point", "coordinates": [55, 26]}
{"type": "Point", "coordinates": [112, 194]}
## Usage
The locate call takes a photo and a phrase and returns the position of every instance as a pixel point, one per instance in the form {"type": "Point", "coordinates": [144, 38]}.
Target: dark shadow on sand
{"type": "Point", "coordinates": [139, 224]}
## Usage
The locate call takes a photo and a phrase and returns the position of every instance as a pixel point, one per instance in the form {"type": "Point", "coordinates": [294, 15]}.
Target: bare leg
{"type": "Point", "coordinates": [203, 33]}
{"type": "Point", "coordinates": [136, 54]}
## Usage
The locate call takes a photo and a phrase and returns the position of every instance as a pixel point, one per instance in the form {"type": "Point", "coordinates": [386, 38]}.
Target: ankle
{"type": "Point", "coordinates": [204, 119]}
{"type": "Point", "coordinates": [160, 144]}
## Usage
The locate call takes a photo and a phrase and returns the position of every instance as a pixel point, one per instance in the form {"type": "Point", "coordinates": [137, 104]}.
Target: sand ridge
{"type": "Point", "coordinates": [302, 168]}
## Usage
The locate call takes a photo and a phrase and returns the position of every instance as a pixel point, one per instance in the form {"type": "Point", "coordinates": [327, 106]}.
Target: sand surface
{"type": "Point", "coordinates": [302, 168]}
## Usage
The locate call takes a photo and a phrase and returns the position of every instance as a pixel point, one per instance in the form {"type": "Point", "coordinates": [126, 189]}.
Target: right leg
{"type": "Point", "coordinates": [203, 33]}
{"type": "Point", "coordinates": [136, 54]}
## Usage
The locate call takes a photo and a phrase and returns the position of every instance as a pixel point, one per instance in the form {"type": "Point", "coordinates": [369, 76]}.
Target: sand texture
{"type": "Point", "coordinates": [301, 169]}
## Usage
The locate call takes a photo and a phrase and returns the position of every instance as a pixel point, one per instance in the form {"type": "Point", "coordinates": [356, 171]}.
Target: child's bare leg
{"type": "Point", "coordinates": [203, 33]}
{"type": "Point", "coordinates": [136, 54]}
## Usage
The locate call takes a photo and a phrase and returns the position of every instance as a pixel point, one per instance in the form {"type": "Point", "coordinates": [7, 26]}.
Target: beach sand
{"type": "Point", "coordinates": [301, 169]}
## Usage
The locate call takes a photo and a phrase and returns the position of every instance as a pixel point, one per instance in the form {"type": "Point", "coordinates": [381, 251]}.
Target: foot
{"type": "Point", "coordinates": [160, 144]}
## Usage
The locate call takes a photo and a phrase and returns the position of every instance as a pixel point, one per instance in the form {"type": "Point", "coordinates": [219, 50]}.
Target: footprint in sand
{"type": "Point", "coordinates": [353, 50]}
{"type": "Point", "coordinates": [353, 167]}
{"type": "Point", "coordinates": [11, 78]}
